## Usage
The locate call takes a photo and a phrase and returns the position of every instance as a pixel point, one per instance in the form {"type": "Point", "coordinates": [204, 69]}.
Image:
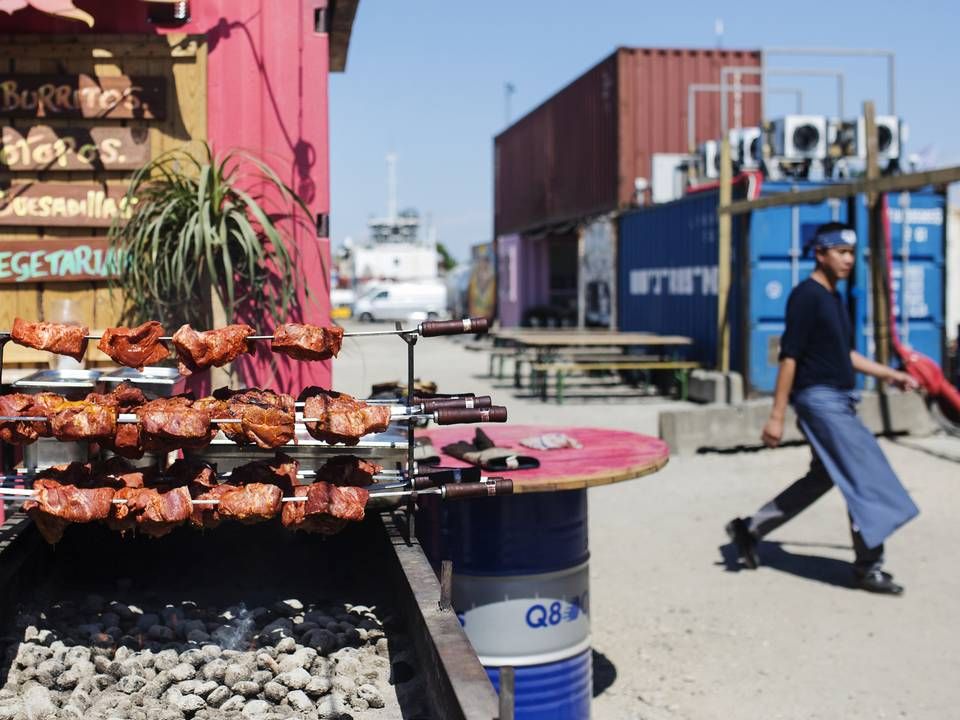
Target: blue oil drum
{"type": "Point", "coordinates": [521, 587]}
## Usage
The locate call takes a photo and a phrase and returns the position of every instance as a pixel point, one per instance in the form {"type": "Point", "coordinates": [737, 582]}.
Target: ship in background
{"type": "Point", "coordinates": [394, 273]}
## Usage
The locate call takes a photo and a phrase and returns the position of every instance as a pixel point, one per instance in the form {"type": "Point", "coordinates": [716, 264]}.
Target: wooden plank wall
{"type": "Point", "coordinates": [182, 59]}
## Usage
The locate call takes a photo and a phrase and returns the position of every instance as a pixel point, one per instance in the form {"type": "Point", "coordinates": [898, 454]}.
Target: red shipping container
{"type": "Point", "coordinates": [579, 152]}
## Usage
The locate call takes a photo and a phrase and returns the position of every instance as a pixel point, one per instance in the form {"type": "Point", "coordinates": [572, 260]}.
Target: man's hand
{"type": "Point", "coordinates": [773, 431]}
{"type": "Point", "coordinates": [903, 381]}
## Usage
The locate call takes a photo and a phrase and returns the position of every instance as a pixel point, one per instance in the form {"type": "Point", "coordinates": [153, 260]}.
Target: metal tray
{"type": "Point", "coordinates": [159, 381]}
{"type": "Point", "coordinates": [55, 380]}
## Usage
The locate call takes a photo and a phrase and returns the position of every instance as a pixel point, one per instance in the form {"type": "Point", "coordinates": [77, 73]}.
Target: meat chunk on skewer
{"type": "Point", "coordinates": [326, 510]}
{"type": "Point", "coordinates": [83, 420]}
{"type": "Point", "coordinates": [172, 423]}
{"type": "Point", "coordinates": [307, 342]}
{"type": "Point", "coordinates": [135, 347]}
{"type": "Point", "coordinates": [18, 432]}
{"type": "Point", "coordinates": [200, 350]}
{"type": "Point", "coordinates": [247, 495]}
{"type": "Point", "coordinates": [152, 511]}
{"type": "Point", "coordinates": [69, 340]}
{"type": "Point", "coordinates": [341, 417]}
{"type": "Point", "coordinates": [344, 470]}
{"type": "Point", "coordinates": [124, 397]}
{"type": "Point", "coordinates": [267, 419]}
{"type": "Point", "coordinates": [64, 495]}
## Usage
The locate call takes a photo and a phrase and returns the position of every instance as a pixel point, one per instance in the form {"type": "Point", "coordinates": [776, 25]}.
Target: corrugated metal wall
{"type": "Point", "coordinates": [652, 94]}
{"type": "Point", "coordinates": [579, 152]}
{"type": "Point", "coordinates": [560, 160]}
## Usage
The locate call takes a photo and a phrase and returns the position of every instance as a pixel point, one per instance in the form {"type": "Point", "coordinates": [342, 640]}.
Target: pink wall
{"type": "Point", "coordinates": [267, 93]}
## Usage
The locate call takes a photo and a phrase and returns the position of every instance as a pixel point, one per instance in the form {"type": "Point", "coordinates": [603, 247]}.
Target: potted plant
{"type": "Point", "coordinates": [202, 237]}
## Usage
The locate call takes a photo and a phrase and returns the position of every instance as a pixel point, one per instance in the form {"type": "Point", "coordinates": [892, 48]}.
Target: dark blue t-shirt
{"type": "Point", "coordinates": [818, 337]}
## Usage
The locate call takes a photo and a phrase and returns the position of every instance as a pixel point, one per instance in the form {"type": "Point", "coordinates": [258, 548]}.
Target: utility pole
{"type": "Point", "coordinates": [508, 90]}
{"type": "Point", "coordinates": [879, 281]}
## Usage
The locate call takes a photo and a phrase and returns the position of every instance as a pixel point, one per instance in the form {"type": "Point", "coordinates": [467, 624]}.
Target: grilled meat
{"type": "Point", "coordinates": [124, 397]}
{"type": "Point", "coordinates": [247, 495]}
{"type": "Point", "coordinates": [307, 342]}
{"type": "Point", "coordinates": [18, 432]}
{"type": "Point", "coordinates": [83, 420]}
{"type": "Point", "coordinates": [266, 418]}
{"type": "Point", "coordinates": [200, 350]}
{"type": "Point", "coordinates": [152, 511]}
{"type": "Point", "coordinates": [57, 338]}
{"type": "Point", "coordinates": [327, 508]}
{"type": "Point", "coordinates": [344, 470]}
{"type": "Point", "coordinates": [173, 422]}
{"type": "Point", "coordinates": [341, 417]}
{"type": "Point", "coordinates": [59, 502]}
{"type": "Point", "coordinates": [252, 503]}
{"type": "Point", "coordinates": [135, 347]}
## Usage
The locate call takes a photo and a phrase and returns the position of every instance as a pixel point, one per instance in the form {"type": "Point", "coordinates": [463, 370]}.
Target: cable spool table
{"type": "Point", "coordinates": [521, 583]}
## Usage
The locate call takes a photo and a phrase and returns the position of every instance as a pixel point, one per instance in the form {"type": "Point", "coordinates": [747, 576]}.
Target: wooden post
{"type": "Point", "coordinates": [880, 296]}
{"type": "Point", "coordinates": [724, 248]}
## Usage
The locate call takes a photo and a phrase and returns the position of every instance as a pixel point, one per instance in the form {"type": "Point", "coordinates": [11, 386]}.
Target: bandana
{"type": "Point", "coordinates": [833, 238]}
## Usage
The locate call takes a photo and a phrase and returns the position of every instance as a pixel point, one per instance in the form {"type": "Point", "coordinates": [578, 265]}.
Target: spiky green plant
{"type": "Point", "coordinates": [200, 224]}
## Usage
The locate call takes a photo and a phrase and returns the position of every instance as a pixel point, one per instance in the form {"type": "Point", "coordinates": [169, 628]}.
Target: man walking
{"type": "Point", "coordinates": [816, 375]}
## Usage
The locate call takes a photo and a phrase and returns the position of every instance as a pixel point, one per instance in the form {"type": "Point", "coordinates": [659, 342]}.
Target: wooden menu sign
{"type": "Point", "coordinates": [56, 260]}
{"type": "Point", "coordinates": [98, 148]}
{"type": "Point", "coordinates": [82, 96]}
{"type": "Point", "coordinates": [61, 204]}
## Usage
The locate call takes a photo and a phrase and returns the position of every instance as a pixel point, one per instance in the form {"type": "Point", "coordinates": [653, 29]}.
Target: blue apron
{"type": "Point", "coordinates": [877, 501]}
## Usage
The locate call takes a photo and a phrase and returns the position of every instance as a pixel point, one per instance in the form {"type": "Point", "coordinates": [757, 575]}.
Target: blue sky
{"type": "Point", "coordinates": [425, 79]}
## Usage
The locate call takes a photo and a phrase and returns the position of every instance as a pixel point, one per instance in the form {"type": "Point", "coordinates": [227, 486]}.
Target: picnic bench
{"type": "Point", "coordinates": [540, 371]}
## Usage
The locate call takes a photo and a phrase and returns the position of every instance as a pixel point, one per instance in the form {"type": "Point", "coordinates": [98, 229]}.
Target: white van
{"type": "Point", "coordinates": [402, 301]}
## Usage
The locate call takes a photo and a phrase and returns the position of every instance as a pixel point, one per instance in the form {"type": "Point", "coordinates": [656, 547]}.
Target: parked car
{"type": "Point", "coordinates": [402, 301]}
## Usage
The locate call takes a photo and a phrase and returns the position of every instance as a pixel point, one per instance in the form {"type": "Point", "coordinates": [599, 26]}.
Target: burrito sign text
{"type": "Point", "coordinates": [62, 204]}
{"type": "Point", "coordinates": [82, 96]}
{"type": "Point", "coordinates": [56, 260]}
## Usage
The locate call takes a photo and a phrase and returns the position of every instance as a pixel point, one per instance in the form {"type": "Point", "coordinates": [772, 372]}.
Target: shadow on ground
{"type": "Point", "coordinates": [809, 567]}
{"type": "Point", "coordinates": [604, 673]}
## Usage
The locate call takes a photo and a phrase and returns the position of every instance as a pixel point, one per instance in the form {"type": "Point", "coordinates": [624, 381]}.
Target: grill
{"type": "Point", "coordinates": [252, 619]}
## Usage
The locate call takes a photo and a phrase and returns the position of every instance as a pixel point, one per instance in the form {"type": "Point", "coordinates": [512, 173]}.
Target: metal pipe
{"type": "Point", "coordinates": [847, 52]}
{"type": "Point", "coordinates": [694, 88]}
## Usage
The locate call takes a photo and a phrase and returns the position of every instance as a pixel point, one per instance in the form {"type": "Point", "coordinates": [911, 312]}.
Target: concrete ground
{"type": "Point", "coordinates": [678, 633]}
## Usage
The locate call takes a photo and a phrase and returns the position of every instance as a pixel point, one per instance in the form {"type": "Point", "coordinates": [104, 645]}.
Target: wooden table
{"type": "Point", "coordinates": [607, 456]}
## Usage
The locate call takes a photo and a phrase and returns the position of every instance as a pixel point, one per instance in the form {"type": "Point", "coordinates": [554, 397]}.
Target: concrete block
{"type": "Point", "coordinates": [727, 427]}
{"type": "Point", "coordinates": [713, 386]}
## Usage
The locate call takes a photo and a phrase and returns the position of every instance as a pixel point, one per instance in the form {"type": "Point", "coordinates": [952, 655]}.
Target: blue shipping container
{"type": "Point", "coordinates": [667, 266]}
{"type": "Point", "coordinates": [918, 240]}
{"type": "Point", "coordinates": [667, 251]}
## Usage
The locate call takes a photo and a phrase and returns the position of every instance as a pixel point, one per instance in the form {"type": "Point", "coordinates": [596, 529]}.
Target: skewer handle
{"type": "Point", "coordinates": [469, 403]}
{"type": "Point", "coordinates": [495, 486]}
{"type": "Point", "coordinates": [432, 328]}
{"type": "Point", "coordinates": [454, 416]}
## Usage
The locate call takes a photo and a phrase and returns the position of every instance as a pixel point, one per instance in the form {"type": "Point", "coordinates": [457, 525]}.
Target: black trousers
{"type": "Point", "coordinates": [797, 498]}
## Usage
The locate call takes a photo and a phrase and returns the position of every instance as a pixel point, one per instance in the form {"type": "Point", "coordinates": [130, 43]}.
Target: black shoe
{"type": "Point", "coordinates": [877, 581]}
{"type": "Point", "coordinates": [744, 541]}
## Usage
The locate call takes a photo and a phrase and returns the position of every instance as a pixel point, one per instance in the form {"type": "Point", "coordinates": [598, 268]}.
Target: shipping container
{"type": "Point", "coordinates": [919, 243]}
{"type": "Point", "coordinates": [579, 153]}
{"type": "Point", "coordinates": [537, 280]}
{"type": "Point", "coordinates": [668, 262]}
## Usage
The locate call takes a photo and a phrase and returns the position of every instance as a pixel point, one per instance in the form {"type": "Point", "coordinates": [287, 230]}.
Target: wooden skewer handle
{"type": "Point", "coordinates": [432, 328]}
{"type": "Point", "coordinates": [454, 416]}
{"type": "Point", "coordinates": [470, 403]}
{"type": "Point", "coordinates": [459, 491]}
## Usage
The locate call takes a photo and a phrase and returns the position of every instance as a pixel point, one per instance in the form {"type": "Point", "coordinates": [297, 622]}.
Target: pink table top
{"type": "Point", "coordinates": [607, 456]}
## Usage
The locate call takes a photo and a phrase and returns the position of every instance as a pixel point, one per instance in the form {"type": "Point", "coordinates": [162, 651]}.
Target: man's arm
{"type": "Point", "coordinates": [773, 430]}
{"type": "Point", "coordinates": [867, 366]}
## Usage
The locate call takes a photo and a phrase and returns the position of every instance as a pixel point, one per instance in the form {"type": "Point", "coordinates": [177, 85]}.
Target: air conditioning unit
{"type": "Point", "coordinates": [800, 137]}
{"type": "Point", "coordinates": [709, 159]}
{"type": "Point", "coordinates": [888, 138]}
{"type": "Point", "coordinates": [751, 148]}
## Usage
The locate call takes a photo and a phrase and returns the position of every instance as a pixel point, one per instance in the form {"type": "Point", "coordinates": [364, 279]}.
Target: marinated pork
{"type": "Point", "coordinates": [135, 347]}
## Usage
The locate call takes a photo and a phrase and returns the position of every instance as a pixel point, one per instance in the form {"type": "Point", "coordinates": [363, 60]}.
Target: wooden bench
{"type": "Point", "coordinates": [540, 371]}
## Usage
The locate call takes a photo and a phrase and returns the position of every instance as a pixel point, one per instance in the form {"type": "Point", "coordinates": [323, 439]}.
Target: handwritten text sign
{"type": "Point", "coordinates": [62, 204]}
{"type": "Point", "coordinates": [82, 96]}
{"type": "Point", "coordinates": [99, 148]}
{"type": "Point", "coordinates": [56, 259]}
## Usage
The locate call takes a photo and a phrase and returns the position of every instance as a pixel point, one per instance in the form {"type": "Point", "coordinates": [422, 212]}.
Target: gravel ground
{"type": "Point", "coordinates": [677, 632]}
